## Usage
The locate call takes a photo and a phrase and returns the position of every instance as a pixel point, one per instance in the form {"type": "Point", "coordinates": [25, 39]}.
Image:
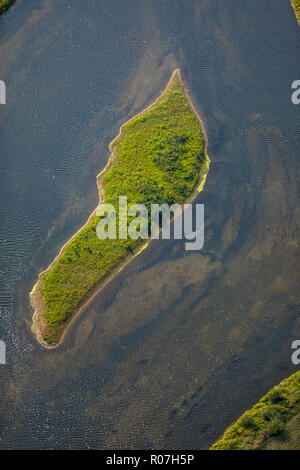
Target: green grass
{"type": "Point", "coordinates": [5, 5]}
{"type": "Point", "coordinates": [296, 5]}
{"type": "Point", "coordinates": [273, 423]}
{"type": "Point", "coordinates": [158, 159]}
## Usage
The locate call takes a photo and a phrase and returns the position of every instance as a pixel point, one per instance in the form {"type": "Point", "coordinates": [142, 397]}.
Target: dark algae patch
{"type": "Point", "coordinates": [158, 157]}
{"type": "Point", "coordinates": [273, 423]}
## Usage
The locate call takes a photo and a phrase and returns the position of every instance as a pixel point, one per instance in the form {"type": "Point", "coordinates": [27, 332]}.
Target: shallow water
{"type": "Point", "coordinates": [179, 343]}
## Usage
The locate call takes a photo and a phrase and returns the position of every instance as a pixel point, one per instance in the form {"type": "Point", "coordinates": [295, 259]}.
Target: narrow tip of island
{"type": "Point", "coordinates": [158, 157]}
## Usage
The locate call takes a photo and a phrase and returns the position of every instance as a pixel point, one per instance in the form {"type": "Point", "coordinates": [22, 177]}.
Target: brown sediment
{"type": "Point", "coordinates": [39, 324]}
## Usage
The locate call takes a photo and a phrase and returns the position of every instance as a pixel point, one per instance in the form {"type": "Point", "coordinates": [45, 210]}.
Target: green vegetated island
{"type": "Point", "coordinates": [158, 157]}
{"type": "Point", "coordinates": [272, 424]}
{"type": "Point", "coordinates": [296, 5]}
{"type": "Point", "coordinates": [5, 5]}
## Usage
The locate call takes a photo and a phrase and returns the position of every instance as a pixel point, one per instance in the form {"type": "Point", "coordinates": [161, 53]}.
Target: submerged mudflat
{"type": "Point", "coordinates": [159, 157]}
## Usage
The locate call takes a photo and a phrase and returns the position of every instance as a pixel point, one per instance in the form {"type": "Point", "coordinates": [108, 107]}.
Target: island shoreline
{"type": "Point", "coordinates": [296, 7]}
{"type": "Point", "coordinates": [36, 301]}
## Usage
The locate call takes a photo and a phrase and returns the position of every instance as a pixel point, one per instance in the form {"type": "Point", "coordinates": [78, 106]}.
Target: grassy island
{"type": "Point", "coordinates": [158, 157]}
{"type": "Point", "coordinates": [296, 5]}
{"type": "Point", "coordinates": [272, 424]}
{"type": "Point", "coordinates": [5, 5]}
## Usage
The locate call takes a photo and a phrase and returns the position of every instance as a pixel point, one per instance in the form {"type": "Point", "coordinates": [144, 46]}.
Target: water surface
{"type": "Point", "coordinates": [179, 343]}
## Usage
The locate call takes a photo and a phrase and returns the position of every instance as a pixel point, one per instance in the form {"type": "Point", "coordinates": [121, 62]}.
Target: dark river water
{"type": "Point", "coordinates": [180, 342]}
